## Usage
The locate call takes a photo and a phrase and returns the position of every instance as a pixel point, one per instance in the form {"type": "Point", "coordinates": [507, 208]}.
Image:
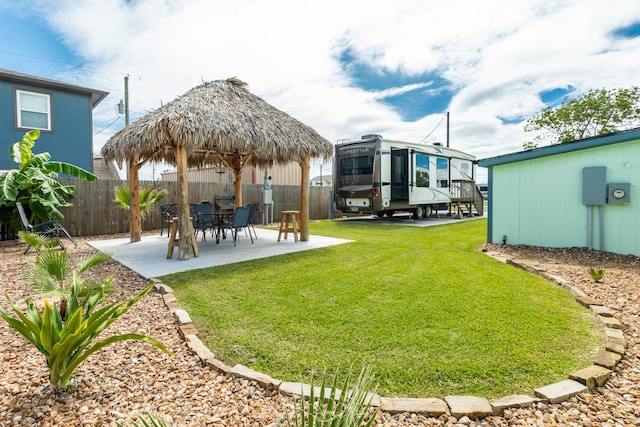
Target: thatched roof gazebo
{"type": "Point", "coordinates": [218, 122]}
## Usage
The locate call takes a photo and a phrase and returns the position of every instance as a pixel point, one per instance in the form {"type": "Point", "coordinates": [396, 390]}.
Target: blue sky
{"type": "Point", "coordinates": [346, 68]}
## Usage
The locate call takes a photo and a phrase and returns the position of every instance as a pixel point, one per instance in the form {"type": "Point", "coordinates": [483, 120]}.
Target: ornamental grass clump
{"type": "Point", "coordinates": [339, 408]}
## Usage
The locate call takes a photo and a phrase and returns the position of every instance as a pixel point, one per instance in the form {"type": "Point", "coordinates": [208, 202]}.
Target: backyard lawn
{"type": "Point", "coordinates": [430, 312]}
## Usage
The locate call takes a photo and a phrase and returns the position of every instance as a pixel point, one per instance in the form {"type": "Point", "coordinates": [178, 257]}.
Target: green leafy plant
{"type": "Point", "coordinates": [34, 183]}
{"type": "Point", "coordinates": [149, 196]}
{"type": "Point", "coordinates": [54, 274]}
{"type": "Point", "coordinates": [596, 275]}
{"type": "Point", "coordinates": [65, 344]}
{"type": "Point", "coordinates": [151, 421]}
{"type": "Point", "coordinates": [340, 408]}
{"type": "Point", "coordinates": [38, 241]}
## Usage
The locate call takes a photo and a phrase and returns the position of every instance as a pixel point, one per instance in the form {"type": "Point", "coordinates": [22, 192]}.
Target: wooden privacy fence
{"type": "Point", "coordinates": [95, 212]}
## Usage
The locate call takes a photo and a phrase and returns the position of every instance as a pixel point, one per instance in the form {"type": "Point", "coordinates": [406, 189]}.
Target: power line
{"type": "Point", "coordinates": [107, 126]}
{"type": "Point", "coordinates": [434, 129]}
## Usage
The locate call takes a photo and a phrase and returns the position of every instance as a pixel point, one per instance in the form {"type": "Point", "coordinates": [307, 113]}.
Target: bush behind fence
{"type": "Point", "coordinates": [95, 212]}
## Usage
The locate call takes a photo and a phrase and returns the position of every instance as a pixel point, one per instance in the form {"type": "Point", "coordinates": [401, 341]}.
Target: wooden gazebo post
{"type": "Point", "coordinates": [305, 164]}
{"type": "Point", "coordinates": [135, 226]}
{"type": "Point", "coordinates": [184, 214]}
{"type": "Point", "coordinates": [237, 173]}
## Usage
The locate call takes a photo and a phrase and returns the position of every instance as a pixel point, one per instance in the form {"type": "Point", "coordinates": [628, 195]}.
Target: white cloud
{"type": "Point", "coordinates": [497, 55]}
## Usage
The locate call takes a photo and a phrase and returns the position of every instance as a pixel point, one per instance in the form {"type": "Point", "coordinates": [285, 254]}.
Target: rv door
{"type": "Point", "coordinates": [400, 174]}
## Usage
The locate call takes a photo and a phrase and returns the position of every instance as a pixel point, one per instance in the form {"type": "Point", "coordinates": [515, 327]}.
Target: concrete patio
{"type": "Point", "coordinates": [149, 256]}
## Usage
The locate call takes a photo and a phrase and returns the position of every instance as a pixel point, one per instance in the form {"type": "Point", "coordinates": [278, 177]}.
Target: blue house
{"type": "Point", "coordinates": [584, 193]}
{"type": "Point", "coordinates": [61, 111]}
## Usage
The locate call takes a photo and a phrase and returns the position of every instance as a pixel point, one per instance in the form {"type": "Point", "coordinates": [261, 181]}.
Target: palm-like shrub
{"type": "Point", "coordinates": [53, 274]}
{"type": "Point", "coordinates": [149, 196]}
{"type": "Point", "coordinates": [340, 408]}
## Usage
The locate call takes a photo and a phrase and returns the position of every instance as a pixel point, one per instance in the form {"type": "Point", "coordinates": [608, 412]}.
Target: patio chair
{"type": "Point", "coordinates": [203, 220]}
{"type": "Point", "coordinates": [241, 219]}
{"type": "Point", "coordinates": [252, 219]}
{"type": "Point", "coordinates": [51, 229]}
{"type": "Point", "coordinates": [168, 212]}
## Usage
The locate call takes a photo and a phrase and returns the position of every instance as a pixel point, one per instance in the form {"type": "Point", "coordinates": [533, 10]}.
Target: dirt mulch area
{"type": "Point", "coordinates": [127, 379]}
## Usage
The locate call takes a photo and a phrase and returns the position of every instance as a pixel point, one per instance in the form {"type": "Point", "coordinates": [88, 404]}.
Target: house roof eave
{"type": "Point", "coordinates": [96, 95]}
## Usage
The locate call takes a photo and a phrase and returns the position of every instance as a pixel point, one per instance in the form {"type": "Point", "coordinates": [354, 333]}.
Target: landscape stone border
{"type": "Point", "coordinates": [473, 407]}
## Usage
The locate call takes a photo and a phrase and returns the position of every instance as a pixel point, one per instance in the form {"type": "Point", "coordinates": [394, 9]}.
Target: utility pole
{"type": "Point", "coordinates": [447, 129]}
{"type": "Point", "coordinates": [126, 100]}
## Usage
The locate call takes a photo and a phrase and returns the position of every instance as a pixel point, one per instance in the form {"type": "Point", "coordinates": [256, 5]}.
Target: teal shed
{"type": "Point", "coordinates": [578, 194]}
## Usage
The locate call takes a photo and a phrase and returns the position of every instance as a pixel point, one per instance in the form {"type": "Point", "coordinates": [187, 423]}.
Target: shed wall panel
{"type": "Point", "coordinates": [539, 201]}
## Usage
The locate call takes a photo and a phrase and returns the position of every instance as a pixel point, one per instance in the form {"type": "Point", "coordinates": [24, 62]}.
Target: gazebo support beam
{"type": "Point", "coordinates": [305, 164]}
{"type": "Point", "coordinates": [184, 215]}
{"type": "Point", "coordinates": [237, 172]}
{"type": "Point", "coordinates": [135, 226]}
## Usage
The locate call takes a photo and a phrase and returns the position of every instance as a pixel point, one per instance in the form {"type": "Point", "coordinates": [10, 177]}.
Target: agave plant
{"type": "Point", "coordinates": [340, 408]}
{"type": "Point", "coordinates": [150, 421]}
{"type": "Point", "coordinates": [149, 196]}
{"type": "Point", "coordinates": [65, 344]}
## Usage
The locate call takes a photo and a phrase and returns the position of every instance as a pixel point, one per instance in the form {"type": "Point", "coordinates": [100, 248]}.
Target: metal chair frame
{"type": "Point", "coordinates": [51, 229]}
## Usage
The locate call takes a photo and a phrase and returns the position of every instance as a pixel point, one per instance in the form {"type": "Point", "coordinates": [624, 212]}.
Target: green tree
{"type": "Point", "coordinates": [34, 183]}
{"type": "Point", "coordinates": [598, 112]}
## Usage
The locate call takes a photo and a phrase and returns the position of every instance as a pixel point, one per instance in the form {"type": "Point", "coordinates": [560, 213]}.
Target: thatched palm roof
{"type": "Point", "coordinates": [218, 118]}
{"type": "Point", "coordinates": [219, 121]}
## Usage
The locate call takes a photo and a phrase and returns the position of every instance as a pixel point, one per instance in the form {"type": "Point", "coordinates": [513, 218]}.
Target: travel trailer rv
{"type": "Point", "coordinates": [381, 176]}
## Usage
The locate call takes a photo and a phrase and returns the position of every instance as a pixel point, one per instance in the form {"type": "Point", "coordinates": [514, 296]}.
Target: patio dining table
{"type": "Point", "coordinates": [220, 218]}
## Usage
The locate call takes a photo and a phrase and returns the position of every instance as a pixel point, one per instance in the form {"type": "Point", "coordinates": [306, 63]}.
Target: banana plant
{"type": "Point", "coordinates": [65, 344]}
{"type": "Point", "coordinates": [34, 183]}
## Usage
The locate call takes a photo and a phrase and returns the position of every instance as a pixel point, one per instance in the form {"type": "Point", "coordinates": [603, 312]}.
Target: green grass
{"type": "Point", "coordinates": [424, 307]}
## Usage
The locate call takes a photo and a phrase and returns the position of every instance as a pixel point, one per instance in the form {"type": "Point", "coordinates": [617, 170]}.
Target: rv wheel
{"type": "Point", "coordinates": [418, 213]}
{"type": "Point", "coordinates": [389, 213]}
{"type": "Point", "coordinates": [380, 214]}
{"type": "Point", "coordinates": [427, 211]}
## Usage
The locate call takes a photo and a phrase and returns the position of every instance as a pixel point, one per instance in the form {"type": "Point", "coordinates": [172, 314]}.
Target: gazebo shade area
{"type": "Point", "coordinates": [216, 123]}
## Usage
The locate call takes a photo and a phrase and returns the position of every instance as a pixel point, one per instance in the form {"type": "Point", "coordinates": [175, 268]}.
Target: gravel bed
{"type": "Point", "coordinates": [126, 380]}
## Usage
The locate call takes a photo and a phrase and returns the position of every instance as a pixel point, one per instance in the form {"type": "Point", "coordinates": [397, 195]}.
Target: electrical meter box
{"type": "Point", "coordinates": [619, 194]}
{"type": "Point", "coordinates": [594, 185]}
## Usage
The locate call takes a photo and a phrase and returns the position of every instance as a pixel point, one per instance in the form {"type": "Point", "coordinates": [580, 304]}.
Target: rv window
{"type": "Point", "coordinates": [356, 165]}
{"type": "Point", "coordinates": [442, 174]}
{"type": "Point", "coordinates": [422, 170]}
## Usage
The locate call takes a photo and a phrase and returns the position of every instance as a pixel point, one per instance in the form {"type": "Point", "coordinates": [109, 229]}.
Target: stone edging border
{"type": "Point", "coordinates": [472, 407]}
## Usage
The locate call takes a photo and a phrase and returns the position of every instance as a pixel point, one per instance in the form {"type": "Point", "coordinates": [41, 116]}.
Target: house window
{"type": "Point", "coordinates": [33, 110]}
